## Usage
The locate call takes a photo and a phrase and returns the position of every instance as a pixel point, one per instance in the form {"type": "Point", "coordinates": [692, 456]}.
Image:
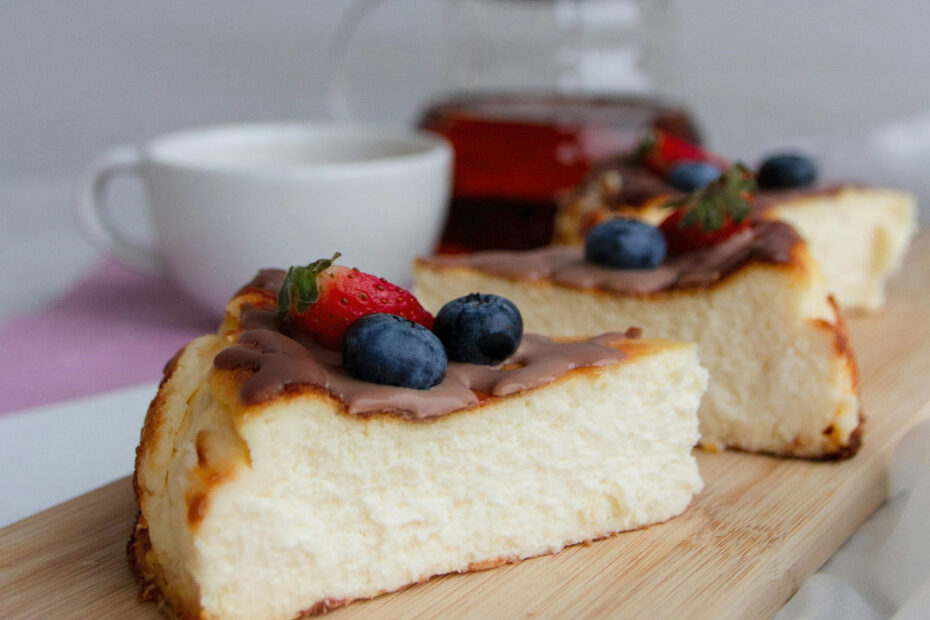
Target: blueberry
{"type": "Point", "coordinates": [390, 350]}
{"type": "Point", "coordinates": [625, 244]}
{"type": "Point", "coordinates": [786, 170]}
{"type": "Point", "coordinates": [479, 329]}
{"type": "Point", "coordinates": [691, 175]}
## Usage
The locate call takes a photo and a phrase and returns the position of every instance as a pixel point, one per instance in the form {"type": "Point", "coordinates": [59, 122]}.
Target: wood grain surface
{"type": "Point", "coordinates": [757, 530]}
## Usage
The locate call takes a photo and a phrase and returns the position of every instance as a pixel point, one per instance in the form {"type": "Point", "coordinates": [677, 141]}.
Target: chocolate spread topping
{"type": "Point", "coordinates": [639, 186]}
{"type": "Point", "coordinates": [769, 242]}
{"type": "Point", "coordinates": [281, 357]}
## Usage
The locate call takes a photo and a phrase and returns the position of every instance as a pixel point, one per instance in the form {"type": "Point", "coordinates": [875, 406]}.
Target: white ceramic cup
{"type": "Point", "coordinates": [227, 200]}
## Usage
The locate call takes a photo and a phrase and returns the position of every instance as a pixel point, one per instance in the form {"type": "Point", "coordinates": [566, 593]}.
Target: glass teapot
{"type": "Point", "coordinates": [534, 94]}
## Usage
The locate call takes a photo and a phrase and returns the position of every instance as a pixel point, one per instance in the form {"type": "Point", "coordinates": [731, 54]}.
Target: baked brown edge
{"type": "Point", "coordinates": [842, 344]}
{"type": "Point", "coordinates": [151, 584]}
{"type": "Point", "coordinates": [843, 347]}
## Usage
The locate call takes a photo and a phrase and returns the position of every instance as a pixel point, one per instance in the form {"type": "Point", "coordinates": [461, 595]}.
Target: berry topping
{"type": "Point", "coordinates": [479, 329]}
{"type": "Point", "coordinates": [391, 350]}
{"type": "Point", "coordinates": [659, 152]}
{"type": "Point", "coordinates": [688, 176]}
{"type": "Point", "coordinates": [710, 214]}
{"type": "Point", "coordinates": [625, 244]}
{"type": "Point", "coordinates": [787, 170]}
{"type": "Point", "coordinates": [324, 299]}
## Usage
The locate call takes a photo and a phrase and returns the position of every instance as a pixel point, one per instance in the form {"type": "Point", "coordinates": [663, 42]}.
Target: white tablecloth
{"type": "Point", "coordinates": [883, 571]}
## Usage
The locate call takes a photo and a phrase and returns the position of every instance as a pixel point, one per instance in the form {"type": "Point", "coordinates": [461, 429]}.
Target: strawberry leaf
{"type": "Point", "coordinates": [300, 284]}
{"type": "Point", "coordinates": [646, 147]}
{"type": "Point", "coordinates": [708, 208]}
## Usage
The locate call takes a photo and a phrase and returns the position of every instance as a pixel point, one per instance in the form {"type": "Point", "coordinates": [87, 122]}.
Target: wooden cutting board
{"type": "Point", "coordinates": [757, 530]}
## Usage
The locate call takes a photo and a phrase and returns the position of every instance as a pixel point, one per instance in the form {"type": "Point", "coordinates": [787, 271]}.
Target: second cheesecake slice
{"type": "Point", "coordinates": [783, 374]}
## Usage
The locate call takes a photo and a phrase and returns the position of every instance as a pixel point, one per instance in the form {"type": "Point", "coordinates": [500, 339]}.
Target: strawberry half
{"type": "Point", "coordinates": [709, 215]}
{"type": "Point", "coordinates": [324, 299]}
{"type": "Point", "coordinates": [659, 151]}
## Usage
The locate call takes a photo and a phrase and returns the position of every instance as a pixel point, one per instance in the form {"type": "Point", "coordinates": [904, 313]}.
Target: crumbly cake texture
{"type": "Point", "coordinates": [293, 506]}
{"type": "Point", "coordinates": [784, 379]}
{"type": "Point", "coordinates": [857, 235]}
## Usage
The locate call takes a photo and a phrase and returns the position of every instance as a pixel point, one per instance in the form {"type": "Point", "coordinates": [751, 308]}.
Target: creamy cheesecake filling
{"type": "Point", "coordinates": [767, 242]}
{"type": "Point", "coordinates": [281, 360]}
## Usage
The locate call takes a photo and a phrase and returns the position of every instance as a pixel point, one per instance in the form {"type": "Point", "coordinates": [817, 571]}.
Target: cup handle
{"type": "Point", "coordinates": [98, 224]}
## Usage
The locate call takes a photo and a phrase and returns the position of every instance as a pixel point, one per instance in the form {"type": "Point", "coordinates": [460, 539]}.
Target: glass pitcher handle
{"type": "Point", "coordinates": [337, 96]}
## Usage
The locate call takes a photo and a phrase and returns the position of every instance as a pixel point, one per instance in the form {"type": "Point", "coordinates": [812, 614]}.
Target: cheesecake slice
{"type": "Point", "coordinates": [272, 485]}
{"type": "Point", "coordinates": [857, 235]}
{"type": "Point", "coordinates": [783, 374]}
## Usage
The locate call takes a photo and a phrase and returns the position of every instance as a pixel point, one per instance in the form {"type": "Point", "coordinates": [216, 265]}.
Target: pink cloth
{"type": "Point", "coordinates": [113, 329]}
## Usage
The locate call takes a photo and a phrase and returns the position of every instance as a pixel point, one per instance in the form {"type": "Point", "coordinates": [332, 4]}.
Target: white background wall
{"type": "Point", "coordinates": [79, 76]}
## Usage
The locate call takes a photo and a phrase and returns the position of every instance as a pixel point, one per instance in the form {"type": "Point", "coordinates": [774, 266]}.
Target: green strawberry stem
{"type": "Point", "coordinates": [646, 147]}
{"type": "Point", "coordinates": [708, 207]}
{"type": "Point", "coordinates": [300, 284]}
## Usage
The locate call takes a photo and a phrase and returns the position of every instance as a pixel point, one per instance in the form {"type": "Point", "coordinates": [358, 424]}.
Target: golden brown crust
{"type": "Point", "coordinates": [152, 588]}
{"type": "Point", "coordinates": [492, 563]}
{"type": "Point", "coordinates": [153, 422]}
{"type": "Point", "coordinates": [139, 545]}
{"type": "Point", "coordinates": [196, 508]}
{"type": "Point", "coordinates": [841, 453]}
{"type": "Point", "coordinates": [339, 407]}
{"type": "Point", "coordinates": [851, 448]}
{"type": "Point", "coordinates": [322, 607]}
{"type": "Point", "coordinates": [256, 295]}
{"type": "Point", "coordinates": [842, 345]}
{"type": "Point", "coordinates": [141, 557]}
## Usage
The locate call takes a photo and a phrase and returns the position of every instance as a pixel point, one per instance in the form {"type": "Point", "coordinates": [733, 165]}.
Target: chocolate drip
{"type": "Point", "coordinates": [768, 242]}
{"type": "Point", "coordinates": [280, 358]}
{"type": "Point", "coordinates": [637, 187]}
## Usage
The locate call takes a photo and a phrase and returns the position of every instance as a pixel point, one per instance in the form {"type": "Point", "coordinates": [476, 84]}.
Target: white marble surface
{"type": "Point", "coordinates": [883, 571]}
{"type": "Point", "coordinates": [67, 449]}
